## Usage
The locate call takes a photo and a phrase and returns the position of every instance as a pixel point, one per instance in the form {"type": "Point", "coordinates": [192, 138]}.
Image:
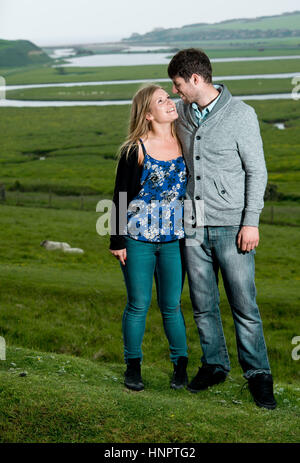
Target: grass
{"type": "Point", "coordinates": [47, 74]}
{"type": "Point", "coordinates": [88, 288]}
{"type": "Point", "coordinates": [247, 52]}
{"type": "Point", "coordinates": [21, 53]}
{"type": "Point", "coordinates": [275, 46]}
{"type": "Point", "coordinates": [287, 21]}
{"type": "Point", "coordinates": [77, 400]}
{"type": "Point", "coordinates": [126, 91]}
{"type": "Point", "coordinates": [281, 213]}
{"type": "Point", "coordinates": [80, 145]}
{"type": "Point", "coordinates": [61, 318]}
{"type": "Point", "coordinates": [243, 30]}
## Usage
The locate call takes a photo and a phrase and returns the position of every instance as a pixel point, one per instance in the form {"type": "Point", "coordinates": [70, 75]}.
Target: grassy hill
{"type": "Point", "coordinates": [21, 53]}
{"type": "Point", "coordinates": [281, 26]}
{"type": "Point", "coordinates": [68, 399]}
{"type": "Point", "coordinates": [61, 318]}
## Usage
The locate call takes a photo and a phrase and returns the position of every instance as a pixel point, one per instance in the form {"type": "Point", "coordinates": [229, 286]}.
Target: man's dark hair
{"type": "Point", "coordinates": [188, 62]}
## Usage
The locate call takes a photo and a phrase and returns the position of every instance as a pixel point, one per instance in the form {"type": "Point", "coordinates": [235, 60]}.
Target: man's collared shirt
{"type": "Point", "coordinates": [201, 115]}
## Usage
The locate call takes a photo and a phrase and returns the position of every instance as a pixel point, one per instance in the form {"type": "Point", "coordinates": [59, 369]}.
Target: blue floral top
{"type": "Point", "coordinates": [156, 213]}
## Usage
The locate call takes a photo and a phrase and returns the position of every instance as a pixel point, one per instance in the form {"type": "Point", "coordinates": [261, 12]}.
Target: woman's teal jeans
{"type": "Point", "coordinates": [145, 260]}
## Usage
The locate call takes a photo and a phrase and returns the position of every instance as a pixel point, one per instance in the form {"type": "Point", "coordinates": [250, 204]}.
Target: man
{"type": "Point", "coordinates": [224, 155]}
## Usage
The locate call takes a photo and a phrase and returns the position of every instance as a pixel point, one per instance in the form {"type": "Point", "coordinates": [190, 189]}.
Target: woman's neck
{"type": "Point", "coordinates": [160, 131]}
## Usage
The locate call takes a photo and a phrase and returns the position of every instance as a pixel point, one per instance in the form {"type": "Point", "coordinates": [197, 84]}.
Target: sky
{"type": "Point", "coordinates": [65, 22]}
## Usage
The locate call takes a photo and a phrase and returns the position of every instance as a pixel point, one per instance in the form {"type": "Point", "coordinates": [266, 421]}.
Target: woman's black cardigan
{"type": "Point", "coordinates": [128, 179]}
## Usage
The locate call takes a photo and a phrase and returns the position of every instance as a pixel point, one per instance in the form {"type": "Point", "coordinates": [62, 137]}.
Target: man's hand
{"type": "Point", "coordinates": [120, 254]}
{"type": "Point", "coordinates": [248, 238]}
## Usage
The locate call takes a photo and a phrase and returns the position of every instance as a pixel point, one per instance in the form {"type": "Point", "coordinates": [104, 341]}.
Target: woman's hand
{"type": "Point", "coordinates": [120, 254]}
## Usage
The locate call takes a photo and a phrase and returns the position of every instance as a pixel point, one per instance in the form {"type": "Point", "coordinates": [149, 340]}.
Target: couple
{"type": "Point", "coordinates": [208, 150]}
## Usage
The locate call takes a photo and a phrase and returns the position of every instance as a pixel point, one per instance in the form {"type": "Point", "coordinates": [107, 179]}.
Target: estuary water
{"type": "Point", "coordinates": [288, 75]}
{"type": "Point", "coordinates": [138, 59]}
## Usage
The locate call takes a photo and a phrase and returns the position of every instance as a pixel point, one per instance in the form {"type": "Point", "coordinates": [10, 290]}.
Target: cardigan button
{"type": "Point", "coordinates": [198, 137]}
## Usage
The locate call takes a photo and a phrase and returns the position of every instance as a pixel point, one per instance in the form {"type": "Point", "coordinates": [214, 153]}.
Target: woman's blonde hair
{"type": "Point", "coordinates": [139, 126]}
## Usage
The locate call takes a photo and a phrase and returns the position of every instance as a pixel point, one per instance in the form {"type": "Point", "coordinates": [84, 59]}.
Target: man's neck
{"type": "Point", "coordinates": [208, 94]}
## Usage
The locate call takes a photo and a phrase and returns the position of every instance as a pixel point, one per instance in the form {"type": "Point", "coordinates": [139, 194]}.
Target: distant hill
{"type": "Point", "coordinates": [280, 26]}
{"type": "Point", "coordinates": [21, 53]}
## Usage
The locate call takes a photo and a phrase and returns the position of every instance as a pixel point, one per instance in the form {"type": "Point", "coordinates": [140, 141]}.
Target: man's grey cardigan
{"type": "Point", "coordinates": [225, 161]}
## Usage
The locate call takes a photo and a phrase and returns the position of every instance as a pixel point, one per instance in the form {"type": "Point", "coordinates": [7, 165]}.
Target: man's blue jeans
{"type": "Point", "coordinates": [145, 260]}
{"type": "Point", "coordinates": [219, 251]}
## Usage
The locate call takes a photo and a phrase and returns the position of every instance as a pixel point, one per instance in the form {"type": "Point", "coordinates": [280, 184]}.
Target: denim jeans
{"type": "Point", "coordinates": [219, 251]}
{"type": "Point", "coordinates": [145, 260]}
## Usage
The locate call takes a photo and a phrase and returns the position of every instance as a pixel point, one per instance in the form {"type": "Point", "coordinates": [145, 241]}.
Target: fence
{"type": "Point", "coordinates": [49, 200]}
{"type": "Point", "coordinates": [280, 213]}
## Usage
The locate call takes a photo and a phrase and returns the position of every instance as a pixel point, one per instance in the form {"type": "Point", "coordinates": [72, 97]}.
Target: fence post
{"type": "Point", "coordinates": [2, 192]}
{"type": "Point", "coordinates": [2, 348]}
{"type": "Point", "coordinates": [272, 214]}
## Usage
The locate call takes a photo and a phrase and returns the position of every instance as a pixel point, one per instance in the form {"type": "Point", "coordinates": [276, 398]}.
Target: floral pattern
{"type": "Point", "coordinates": [156, 213]}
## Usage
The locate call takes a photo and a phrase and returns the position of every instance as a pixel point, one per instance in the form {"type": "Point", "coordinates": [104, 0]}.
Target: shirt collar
{"type": "Point", "coordinates": [202, 114]}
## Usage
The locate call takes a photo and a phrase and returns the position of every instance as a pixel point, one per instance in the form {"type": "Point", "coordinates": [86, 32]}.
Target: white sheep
{"type": "Point", "coordinates": [65, 247]}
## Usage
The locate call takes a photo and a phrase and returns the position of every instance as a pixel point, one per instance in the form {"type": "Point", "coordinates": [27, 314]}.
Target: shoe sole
{"type": "Point", "coordinates": [181, 386]}
{"type": "Point", "coordinates": [132, 388]}
{"type": "Point", "coordinates": [194, 391]}
{"type": "Point", "coordinates": [267, 406]}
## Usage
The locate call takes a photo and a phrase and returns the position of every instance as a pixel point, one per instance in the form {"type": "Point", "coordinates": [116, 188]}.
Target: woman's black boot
{"type": "Point", "coordinates": [180, 378]}
{"type": "Point", "coordinates": [133, 379]}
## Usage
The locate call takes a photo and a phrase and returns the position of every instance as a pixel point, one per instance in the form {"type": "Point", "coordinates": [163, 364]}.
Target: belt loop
{"type": "Point", "coordinates": [208, 232]}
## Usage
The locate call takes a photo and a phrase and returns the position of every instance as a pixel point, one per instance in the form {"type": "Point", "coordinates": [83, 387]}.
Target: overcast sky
{"type": "Point", "coordinates": [54, 22]}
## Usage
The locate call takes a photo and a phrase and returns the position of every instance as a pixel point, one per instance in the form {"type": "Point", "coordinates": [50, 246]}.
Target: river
{"type": "Point", "coordinates": [138, 59]}
{"type": "Point", "coordinates": [289, 75]}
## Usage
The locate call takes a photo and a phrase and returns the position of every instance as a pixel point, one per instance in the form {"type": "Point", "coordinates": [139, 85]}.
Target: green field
{"type": "Point", "coordinates": [261, 30]}
{"type": "Point", "coordinates": [217, 50]}
{"type": "Point", "coordinates": [126, 91]}
{"type": "Point", "coordinates": [47, 74]}
{"type": "Point", "coordinates": [80, 146]}
{"type": "Point", "coordinates": [286, 21]}
{"type": "Point", "coordinates": [240, 47]}
{"type": "Point", "coordinates": [53, 304]}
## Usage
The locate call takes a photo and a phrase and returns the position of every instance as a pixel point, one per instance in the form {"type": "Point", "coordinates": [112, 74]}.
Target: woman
{"type": "Point", "coordinates": [152, 174]}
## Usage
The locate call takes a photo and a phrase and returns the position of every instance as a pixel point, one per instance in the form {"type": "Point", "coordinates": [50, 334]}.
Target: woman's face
{"type": "Point", "coordinates": [162, 108]}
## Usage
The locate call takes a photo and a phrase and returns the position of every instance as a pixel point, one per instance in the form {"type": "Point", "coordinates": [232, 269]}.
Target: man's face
{"type": "Point", "coordinates": [185, 90]}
